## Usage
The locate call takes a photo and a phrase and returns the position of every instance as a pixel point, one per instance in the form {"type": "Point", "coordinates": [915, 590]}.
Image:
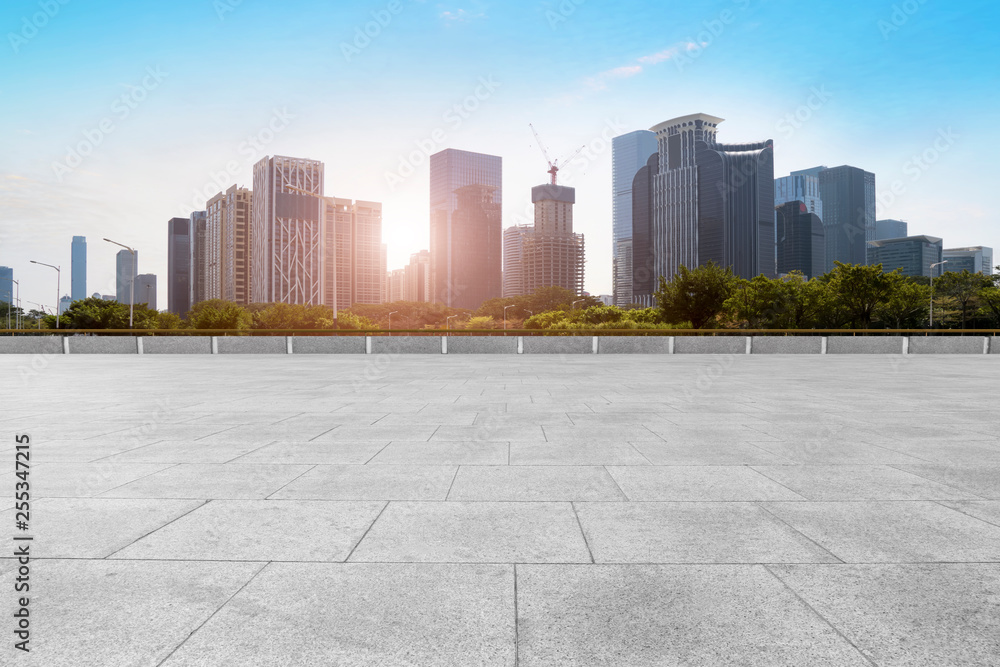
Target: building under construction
{"type": "Point", "coordinates": [551, 254]}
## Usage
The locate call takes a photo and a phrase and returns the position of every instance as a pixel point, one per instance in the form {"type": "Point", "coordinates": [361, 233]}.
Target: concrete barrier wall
{"type": "Point", "coordinates": [406, 344]}
{"type": "Point", "coordinates": [633, 344]}
{"type": "Point", "coordinates": [994, 344]}
{"type": "Point", "coordinates": [710, 345]}
{"type": "Point", "coordinates": [177, 345]}
{"type": "Point", "coordinates": [557, 344]}
{"type": "Point", "coordinates": [864, 345]}
{"type": "Point", "coordinates": [947, 344]}
{"type": "Point", "coordinates": [31, 344]}
{"type": "Point", "coordinates": [252, 345]}
{"type": "Point", "coordinates": [482, 344]}
{"type": "Point", "coordinates": [102, 345]}
{"type": "Point", "coordinates": [787, 344]}
{"type": "Point", "coordinates": [328, 344]}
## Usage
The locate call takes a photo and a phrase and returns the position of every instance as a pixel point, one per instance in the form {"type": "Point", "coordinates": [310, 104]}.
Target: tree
{"type": "Point", "coordinates": [168, 320]}
{"type": "Point", "coordinates": [860, 289]}
{"type": "Point", "coordinates": [989, 299]}
{"type": "Point", "coordinates": [906, 306]}
{"type": "Point", "coordinates": [965, 288]}
{"type": "Point", "coordinates": [695, 295]}
{"type": "Point", "coordinates": [92, 313]}
{"type": "Point", "coordinates": [277, 316]}
{"type": "Point", "coordinates": [218, 314]}
{"type": "Point", "coordinates": [769, 303]}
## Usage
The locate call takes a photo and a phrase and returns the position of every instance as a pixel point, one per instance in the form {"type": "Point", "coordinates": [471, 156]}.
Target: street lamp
{"type": "Point", "coordinates": [447, 321]}
{"type": "Point", "coordinates": [932, 290]}
{"type": "Point", "coordinates": [505, 317]}
{"type": "Point", "coordinates": [390, 320]}
{"type": "Point", "coordinates": [58, 283]}
{"type": "Point", "coordinates": [8, 309]}
{"type": "Point", "coordinates": [131, 287]}
{"type": "Point", "coordinates": [43, 312]}
{"type": "Point", "coordinates": [576, 302]}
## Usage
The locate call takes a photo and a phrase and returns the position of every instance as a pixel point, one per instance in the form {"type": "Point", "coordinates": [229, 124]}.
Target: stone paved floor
{"type": "Point", "coordinates": [498, 510]}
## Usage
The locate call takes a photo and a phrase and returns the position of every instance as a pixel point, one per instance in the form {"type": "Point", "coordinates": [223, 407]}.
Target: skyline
{"type": "Point", "coordinates": [873, 90]}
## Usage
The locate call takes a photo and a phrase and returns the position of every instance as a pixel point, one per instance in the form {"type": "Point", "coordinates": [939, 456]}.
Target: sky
{"type": "Point", "coordinates": [117, 116]}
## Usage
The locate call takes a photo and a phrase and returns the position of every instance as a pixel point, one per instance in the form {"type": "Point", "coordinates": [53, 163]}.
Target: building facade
{"type": "Point", "coordinates": [801, 240]}
{"type": "Point", "coordinates": [354, 270]}
{"type": "Point", "coordinates": [286, 232]}
{"type": "Point", "coordinates": [179, 266]}
{"type": "Point", "coordinates": [78, 290]}
{"type": "Point", "coordinates": [145, 290]}
{"type": "Point", "coordinates": [7, 287]}
{"type": "Point", "coordinates": [974, 259]}
{"type": "Point", "coordinates": [64, 303]}
{"type": "Point", "coordinates": [466, 203]}
{"type": "Point", "coordinates": [552, 255]}
{"type": "Point", "coordinates": [642, 259]}
{"type": "Point", "coordinates": [848, 195]}
{"type": "Point", "coordinates": [199, 256]}
{"type": "Point", "coordinates": [629, 153]}
{"type": "Point", "coordinates": [800, 186]}
{"type": "Point", "coordinates": [418, 278]}
{"type": "Point", "coordinates": [513, 259]}
{"type": "Point", "coordinates": [913, 254]}
{"type": "Point", "coordinates": [890, 229]}
{"type": "Point", "coordinates": [126, 269]}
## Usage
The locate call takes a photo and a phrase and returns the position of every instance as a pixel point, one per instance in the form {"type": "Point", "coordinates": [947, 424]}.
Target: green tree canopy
{"type": "Point", "coordinates": [695, 295]}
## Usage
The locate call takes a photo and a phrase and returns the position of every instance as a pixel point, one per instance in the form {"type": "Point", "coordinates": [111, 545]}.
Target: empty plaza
{"type": "Point", "coordinates": [529, 510]}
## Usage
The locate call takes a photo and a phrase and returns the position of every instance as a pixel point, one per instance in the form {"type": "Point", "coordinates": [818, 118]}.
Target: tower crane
{"type": "Point", "coordinates": [553, 166]}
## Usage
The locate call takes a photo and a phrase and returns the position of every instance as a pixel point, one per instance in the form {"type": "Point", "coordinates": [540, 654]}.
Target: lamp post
{"type": "Point", "coordinates": [932, 289]}
{"type": "Point", "coordinates": [8, 309]}
{"type": "Point", "coordinates": [43, 312]}
{"type": "Point", "coordinates": [505, 317]}
{"type": "Point", "coordinates": [576, 302]}
{"type": "Point", "coordinates": [390, 320]}
{"type": "Point", "coordinates": [131, 287]}
{"type": "Point", "coordinates": [447, 321]}
{"type": "Point", "coordinates": [58, 283]}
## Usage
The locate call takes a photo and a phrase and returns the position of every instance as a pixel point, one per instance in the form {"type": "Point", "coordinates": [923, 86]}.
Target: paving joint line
{"type": "Point", "coordinates": [582, 532]}
{"type": "Point", "coordinates": [796, 530]}
{"type": "Point", "coordinates": [363, 536]}
{"type": "Point", "coordinates": [158, 528]}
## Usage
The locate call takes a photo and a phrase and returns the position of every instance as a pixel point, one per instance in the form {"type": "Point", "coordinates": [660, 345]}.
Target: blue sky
{"type": "Point", "coordinates": [171, 99]}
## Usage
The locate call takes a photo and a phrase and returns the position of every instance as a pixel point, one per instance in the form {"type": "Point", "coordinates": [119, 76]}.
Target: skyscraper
{"type": "Point", "coordinates": [78, 290]}
{"type": "Point", "coordinates": [199, 256]}
{"type": "Point", "coordinates": [848, 195]}
{"type": "Point", "coordinates": [712, 201]}
{"type": "Point", "coordinates": [890, 229]}
{"type": "Point", "coordinates": [286, 231]}
{"type": "Point", "coordinates": [801, 244]}
{"type": "Point", "coordinates": [800, 186]}
{"type": "Point", "coordinates": [974, 259]}
{"type": "Point", "coordinates": [643, 260]}
{"type": "Point", "coordinates": [913, 254]}
{"type": "Point", "coordinates": [513, 259]}
{"type": "Point", "coordinates": [354, 271]}
{"type": "Point", "coordinates": [145, 290]}
{"type": "Point", "coordinates": [466, 200]}
{"type": "Point", "coordinates": [227, 249]}
{"type": "Point", "coordinates": [7, 287]}
{"type": "Point", "coordinates": [179, 266]}
{"type": "Point", "coordinates": [125, 272]}
{"type": "Point", "coordinates": [629, 153]}
{"type": "Point", "coordinates": [418, 277]}
{"type": "Point", "coordinates": [552, 255]}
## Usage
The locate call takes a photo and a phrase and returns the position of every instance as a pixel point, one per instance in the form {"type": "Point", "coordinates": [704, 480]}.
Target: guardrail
{"type": "Point", "coordinates": [732, 342]}
{"type": "Point", "coordinates": [501, 332]}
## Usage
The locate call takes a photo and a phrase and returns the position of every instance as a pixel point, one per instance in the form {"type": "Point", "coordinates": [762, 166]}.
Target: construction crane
{"type": "Point", "coordinates": [553, 166]}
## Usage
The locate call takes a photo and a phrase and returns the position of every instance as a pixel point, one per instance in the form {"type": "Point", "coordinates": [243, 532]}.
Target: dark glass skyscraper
{"type": "Point", "coordinates": [644, 276]}
{"type": "Point", "coordinates": [78, 290]}
{"type": "Point", "coordinates": [179, 266]}
{"type": "Point", "coordinates": [466, 236]}
{"type": "Point", "coordinates": [848, 195]}
{"type": "Point", "coordinates": [801, 240]}
{"type": "Point", "coordinates": [629, 153]}
{"type": "Point", "coordinates": [712, 202]}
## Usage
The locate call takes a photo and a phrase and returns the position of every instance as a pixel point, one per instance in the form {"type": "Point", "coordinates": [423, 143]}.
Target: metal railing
{"type": "Point", "coordinates": [501, 332]}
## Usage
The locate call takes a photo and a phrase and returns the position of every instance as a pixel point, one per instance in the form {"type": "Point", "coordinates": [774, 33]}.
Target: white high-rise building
{"type": "Point", "coordinates": [974, 259]}
{"type": "Point", "coordinates": [287, 258]}
{"type": "Point", "coordinates": [513, 255]}
{"type": "Point", "coordinates": [127, 264]}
